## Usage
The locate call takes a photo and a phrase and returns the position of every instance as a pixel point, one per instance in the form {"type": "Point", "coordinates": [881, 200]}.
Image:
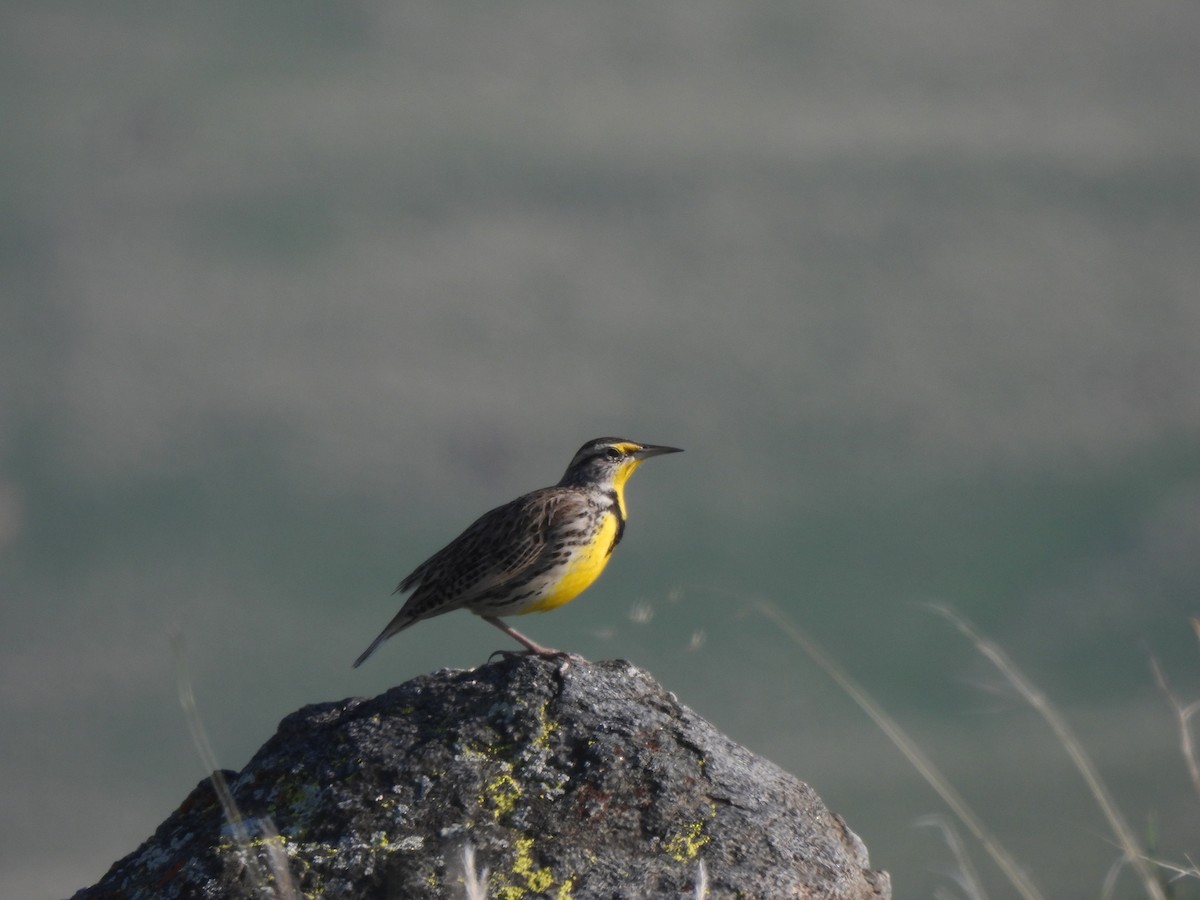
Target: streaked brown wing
{"type": "Point", "coordinates": [498, 548]}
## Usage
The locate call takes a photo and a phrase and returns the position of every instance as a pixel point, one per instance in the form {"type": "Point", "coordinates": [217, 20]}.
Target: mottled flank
{"type": "Point", "coordinates": [566, 780]}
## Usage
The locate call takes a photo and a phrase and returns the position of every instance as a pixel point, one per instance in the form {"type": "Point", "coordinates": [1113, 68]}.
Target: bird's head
{"type": "Point", "coordinates": [606, 463]}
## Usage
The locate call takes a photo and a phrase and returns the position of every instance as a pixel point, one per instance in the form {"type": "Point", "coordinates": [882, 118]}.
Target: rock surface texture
{"type": "Point", "coordinates": [522, 778]}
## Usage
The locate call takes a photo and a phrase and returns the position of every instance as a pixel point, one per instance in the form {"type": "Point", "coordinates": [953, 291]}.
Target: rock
{"type": "Point", "coordinates": [563, 779]}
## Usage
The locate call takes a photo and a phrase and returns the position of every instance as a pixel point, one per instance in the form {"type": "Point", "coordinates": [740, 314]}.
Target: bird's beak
{"type": "Point", "coordinates": [649, 450]}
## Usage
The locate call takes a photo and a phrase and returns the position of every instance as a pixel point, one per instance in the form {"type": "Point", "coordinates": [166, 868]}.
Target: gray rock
{"type": "Point", "coordinates": [562, 779]}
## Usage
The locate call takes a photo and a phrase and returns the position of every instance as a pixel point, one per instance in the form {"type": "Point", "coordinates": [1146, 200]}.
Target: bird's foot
{"type": "Point", "coordinates": [542, 652]}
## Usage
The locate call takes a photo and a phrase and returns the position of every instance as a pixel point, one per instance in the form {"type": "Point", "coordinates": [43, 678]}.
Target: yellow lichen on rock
{"type": "Point", "coordinates": [531, 879]}
{"type": "Point", "coordinates": [685, 844]}
{"type": "Point", "coordinates": [501, 795]}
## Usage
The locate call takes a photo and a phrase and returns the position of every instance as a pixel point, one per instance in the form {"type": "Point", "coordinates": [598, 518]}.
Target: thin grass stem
{"type": "Point", "coordinates": [1183, 715]}
{"type": "Point", "coordinates": [284, 887]}
{"type": "Point", "coordinates": [916, 757]}
{"type": "Point", "coordinates": [1036, 699]}
{"type": "Point", "coordinates": [967, 877]}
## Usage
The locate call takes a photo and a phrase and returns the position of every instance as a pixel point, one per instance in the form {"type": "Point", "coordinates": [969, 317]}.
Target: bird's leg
{"type": "Point", "coordinates": [533, 647]}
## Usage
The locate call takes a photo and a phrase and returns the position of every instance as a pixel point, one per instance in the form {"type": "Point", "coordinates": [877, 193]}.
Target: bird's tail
{"type": "Point", "coordinates": [399, 623]}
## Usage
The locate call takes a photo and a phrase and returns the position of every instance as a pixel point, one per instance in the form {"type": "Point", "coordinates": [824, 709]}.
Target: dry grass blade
{"type": "Point", "coordinates": [1109, 886]}
{"type": "Point", "coordinates": [1035, 698]}
{"type": "Point", "coordinates": [1191, 870]}
{"type": "Point", "coordinates": [284, 886]}
{"type": "Point", "coordinates": [916, 757]}
{"type": "Point", "coordinates": [475, 881]}
{"type": "Point", "coordinates": [1184, 715]}
{"type": "Point", "coordinates": [966, 877]}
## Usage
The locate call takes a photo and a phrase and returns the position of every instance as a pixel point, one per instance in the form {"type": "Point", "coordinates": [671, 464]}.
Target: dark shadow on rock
{"type": "Point", "coordinates": [563, 779]}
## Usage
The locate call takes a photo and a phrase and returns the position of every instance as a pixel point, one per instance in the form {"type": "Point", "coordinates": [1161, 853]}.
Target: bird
{"type": "Point", "coordinates": [532, 554]}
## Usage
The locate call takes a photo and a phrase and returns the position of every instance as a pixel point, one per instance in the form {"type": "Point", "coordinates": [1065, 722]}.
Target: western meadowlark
{"type": "Point", "coordinates": [533, 554]}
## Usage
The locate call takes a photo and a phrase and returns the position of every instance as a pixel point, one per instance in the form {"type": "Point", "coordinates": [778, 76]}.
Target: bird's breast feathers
{"type": "Point", "coordinates": [581, 568]}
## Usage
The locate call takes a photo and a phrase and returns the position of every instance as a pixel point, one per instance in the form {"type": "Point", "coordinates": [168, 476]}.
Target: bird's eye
{"type": "Point", "coordinates": [612, 453]}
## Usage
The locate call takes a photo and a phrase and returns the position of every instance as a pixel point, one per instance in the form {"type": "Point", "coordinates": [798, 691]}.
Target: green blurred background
{"type": "Point", "coordinates": [293, 291]}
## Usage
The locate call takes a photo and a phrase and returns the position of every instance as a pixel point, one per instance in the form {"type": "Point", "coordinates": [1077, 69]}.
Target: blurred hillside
{"type": "Point", "coordinates": [292, 292]}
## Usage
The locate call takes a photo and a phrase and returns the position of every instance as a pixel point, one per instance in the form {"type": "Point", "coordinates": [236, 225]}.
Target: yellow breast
{"type": "Point", "coordinates": [581, 570]}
